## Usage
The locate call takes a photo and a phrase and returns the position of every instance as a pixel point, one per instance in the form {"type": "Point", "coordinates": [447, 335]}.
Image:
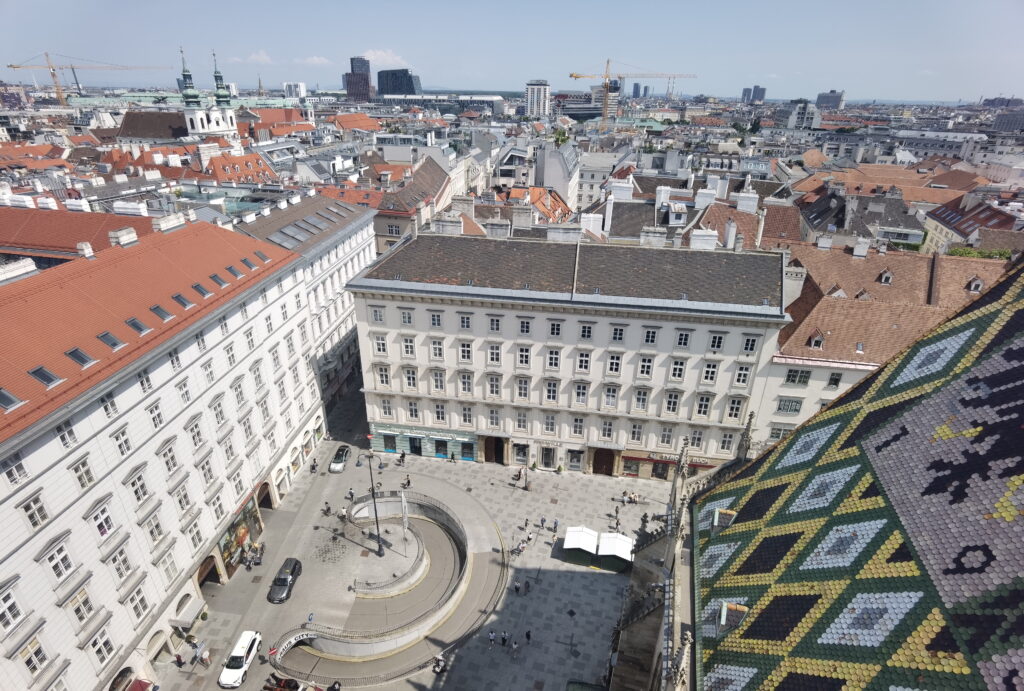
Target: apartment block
{"type": "Point", "coordinates": [157, 398]}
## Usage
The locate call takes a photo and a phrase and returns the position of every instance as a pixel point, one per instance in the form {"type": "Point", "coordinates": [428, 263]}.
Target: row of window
{"type": "Point", "coordinates": [616, 334]}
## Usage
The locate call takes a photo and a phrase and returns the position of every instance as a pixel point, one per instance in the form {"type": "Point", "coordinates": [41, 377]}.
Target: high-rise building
{"type": "Point", "coordinates": [831, 100]}
{"type": "Point", "coordinates": [538, 98]}
{"type": "Point", "coordinates": [294, 89]}
{"type": "Point", "coordinates": [757, 94]}
{"type": "Point", "coordinates": [398, 82]}
{"type": "Point", "coordinates": [357, 86]}
{"type": "Point", "coordinates": [360, 65]}
{"type": "Point", "coordinates": [647, 91]}
{"type": "Point", "coordinates": [636, 89]}
{"type": "Point", "coordinates": [745, 97]}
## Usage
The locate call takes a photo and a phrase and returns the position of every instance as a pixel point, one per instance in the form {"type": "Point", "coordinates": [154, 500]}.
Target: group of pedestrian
{"type": "Point", "coordinates": [630, 498]}
{"type": "Point", "coordinates": [518, 587]}
{"type": "Point", "coordinates": [505, 637]}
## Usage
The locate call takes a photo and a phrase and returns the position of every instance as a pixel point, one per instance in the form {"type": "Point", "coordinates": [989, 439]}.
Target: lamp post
{"type": "Point", "coordinates": [373, 497]}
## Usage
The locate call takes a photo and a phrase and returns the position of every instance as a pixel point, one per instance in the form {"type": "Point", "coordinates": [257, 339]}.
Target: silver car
{"type": "Point", "coordinates": [340, 458]}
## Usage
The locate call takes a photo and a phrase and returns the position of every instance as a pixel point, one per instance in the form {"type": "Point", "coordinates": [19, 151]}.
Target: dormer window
{"type": "Point", "coordinates": [45, 376]}
{"type": "Point", "coordinates": [863, 295]}
{"type": "Point", "coordinates": [80, 356]}
{"type": "Point", "coordinates": [860, 347]}
{"type": "Point", "coordinates": [885, 278]}
{"type": "Point", "coordinates": [817, 341]}
{"type": "Point", "coordinates": [975, 285]}
{"type": "Point", "coordinates": [836, 291]}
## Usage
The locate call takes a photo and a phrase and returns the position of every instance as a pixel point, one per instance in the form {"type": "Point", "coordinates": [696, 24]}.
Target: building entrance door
{"type": "Point", "coordinates": [604, 462]}
{"type": "Point", "coordinates": [415, 446]}
{"type": "Point", "coordinates": [494, 450]}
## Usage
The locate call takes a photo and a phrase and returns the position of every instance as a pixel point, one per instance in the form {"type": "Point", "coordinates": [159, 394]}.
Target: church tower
{"type": "Point", "coordinates": [215, 120]}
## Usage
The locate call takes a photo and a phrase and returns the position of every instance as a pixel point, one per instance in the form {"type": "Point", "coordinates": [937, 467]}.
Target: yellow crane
{"type": "Point", "coordinates": [608, 75]}
{"type": "Point", "coordinates": [58, 88]}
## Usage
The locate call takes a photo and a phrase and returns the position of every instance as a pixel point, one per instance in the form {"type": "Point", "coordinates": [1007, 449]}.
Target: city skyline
{"type": "Point", "coordinates": [793, 54]}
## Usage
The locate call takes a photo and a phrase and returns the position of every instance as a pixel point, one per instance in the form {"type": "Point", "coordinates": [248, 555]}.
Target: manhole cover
{"type": "Point", "coordinates": [553, 500]}
{"type": "Point", "coordinates": [257, 579]}
{"type": "Point", "coordinates": [365, 553]}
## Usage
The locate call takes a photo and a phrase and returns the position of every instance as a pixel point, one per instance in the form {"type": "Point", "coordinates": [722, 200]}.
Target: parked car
{"type": "Point", "coordinates": [236, 667]}
{"type": "Point", "coordinates": [340, 458]}
{"type": "Point", "coordinates": [284, 581]}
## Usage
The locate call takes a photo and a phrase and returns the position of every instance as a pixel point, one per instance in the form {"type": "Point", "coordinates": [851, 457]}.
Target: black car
{"type": "Point", "coordinates": [281, 587]}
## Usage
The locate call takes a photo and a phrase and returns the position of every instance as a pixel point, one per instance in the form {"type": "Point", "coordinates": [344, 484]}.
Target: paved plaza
{"type": "Point", "coordinates": [562, 647]}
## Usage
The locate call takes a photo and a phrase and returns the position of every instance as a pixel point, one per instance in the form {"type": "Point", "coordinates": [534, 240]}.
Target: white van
{"type": "Point", "coordinates": [237, 665]}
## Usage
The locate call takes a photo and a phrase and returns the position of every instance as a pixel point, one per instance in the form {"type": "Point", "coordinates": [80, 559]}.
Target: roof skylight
{"type": "Point", "coordinates": [218, 280]}
{"type": "Point", "coordinates": [248, 264]}
{"type": "Point", "coordinates": [233, 271]}
{"type": "Point", "coordinates": [111, 340]}
{"type": "Point", "coordinates": [161, 312]}
{"type": "Point", "coordinates": [183, 301]}
{"type": "Point", "coordinates": [262, 257]}
{"type": "Point", "coordinates": [138, 326]}
{"type": "Point", "coordinates": [201, 289]}
{"type": "Point", "coordinates": [45, 376]}
{"type": "Point", "coordinates": [81, 357]}
{"type": "Point", "coordinates": [8, 401]}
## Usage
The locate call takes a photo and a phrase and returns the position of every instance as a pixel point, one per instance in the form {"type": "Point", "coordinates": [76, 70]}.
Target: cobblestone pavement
{"type": "Point", "coordinates": [562, 647]}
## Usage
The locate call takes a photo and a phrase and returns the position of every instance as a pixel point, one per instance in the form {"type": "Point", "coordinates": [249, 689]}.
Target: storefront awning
{"type": "Point", "coordinates": [581, 537]}
{"type": "Point", "coordinates": [615, 545]}
{"type": "Point", "coordinates": [188, 615]}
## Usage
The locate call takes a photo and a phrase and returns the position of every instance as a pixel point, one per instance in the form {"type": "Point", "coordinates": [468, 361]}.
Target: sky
{"type": "Point", "coordinates": [914, 50]}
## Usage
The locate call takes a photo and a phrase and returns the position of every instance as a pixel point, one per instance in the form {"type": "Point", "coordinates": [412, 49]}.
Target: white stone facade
{"type": "Point", "coordinates": [559, 386]}
{"type": "Point", "coordinates": [114, 503]}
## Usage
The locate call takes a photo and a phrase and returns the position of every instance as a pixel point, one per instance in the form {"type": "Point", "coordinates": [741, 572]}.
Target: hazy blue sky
{"type": "Point", "coordinates": [885, 49]}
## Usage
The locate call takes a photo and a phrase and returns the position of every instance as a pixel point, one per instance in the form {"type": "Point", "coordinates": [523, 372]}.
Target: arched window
{"type": "Point", "coordinates": [191, 123]}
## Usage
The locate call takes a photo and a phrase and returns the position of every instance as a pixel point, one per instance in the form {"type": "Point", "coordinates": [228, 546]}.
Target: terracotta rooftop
{"type": "Point", "coordinates": [68, 306]}
{"type": "Point", "coordinates": [717, 215]}
{"type": "Point", "coordinates": [59, 231]}
{"type": "Point", "coordinates": [781, 224]}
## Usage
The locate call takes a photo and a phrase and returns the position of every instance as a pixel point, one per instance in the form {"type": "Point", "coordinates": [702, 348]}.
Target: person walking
{"type": "Point", "coordinates": [204, 659]}
{"type": "Point", "coordinates": [542, 522]}
{"type": "Point", "coordinates": [327, 508]}
{"type": "Point", "coordinates": [504, 638]}
{"type": "Point", "coordinates": [517, 586]}
{"type": "Point", "coordinates": [529, 537]}
{"type": "Point", "coordinates": [401, 459]}
{"type": "Point", "coordinates": [616, 512]}
{"type": "Point", "coordinates": [351, 494]}
{"type": "Point", "coordinates": [527, 586]}
{"type": "Point", "coordinates": [451, 459]}
{"type": "Point", "coordinates": [490, 637]}
{"type": "Point", "coordinates": [515, 649]}
{"type": "Point", "coordinates": [528, 637]}
{"type": "Point", "coordinates": [554, 526]}
{"type": "Point", "coordinates": [526, 524]}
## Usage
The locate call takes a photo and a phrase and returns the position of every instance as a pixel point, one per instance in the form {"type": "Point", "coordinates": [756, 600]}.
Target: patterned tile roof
{"type": "Point", "coordinates": [879, 546]}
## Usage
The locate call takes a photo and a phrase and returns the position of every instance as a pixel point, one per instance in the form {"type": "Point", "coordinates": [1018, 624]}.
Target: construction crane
{"type": "Point", "coordinates": [606, 80]}
{"type": "Point", "coordinates": [59, 89]}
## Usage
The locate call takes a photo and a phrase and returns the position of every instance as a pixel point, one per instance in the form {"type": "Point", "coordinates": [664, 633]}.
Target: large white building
{"type": "Point", "coordinates": [336, 241]}
{"type": "Point", "coordinates": [156, 397]}
{"type": "Point", "coordinates": [538, 98]}
{"type": "Point", "coordinates": [577, 356]}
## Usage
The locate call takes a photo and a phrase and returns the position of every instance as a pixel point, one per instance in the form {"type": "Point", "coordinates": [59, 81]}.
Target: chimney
{"type": "Point", "coordinates": [12, 271]}
{"type": "Point", "coordinates": [860, 248]}
{"type": "Point", "coordinates": [46, 203]}
{"type": "Point", "coordinates": [852, 203]}
{"type": "Point", "coordinates": [85, 250]}
{"type": "Point", "coordinates": [661, 195]}
{"type": "Point", "coordinates": [730, 233]}
{"type": "Point", "coordinates": [746, 202]}
{"type": "Point", "coordinates": [123, 237]}
{"type": "Point", "coordinates": [77, 205]}
{"type": "Point", "coordinates": [500, 229]}
{"type": "Point", "coordinates": [522, 215]}
{"type": "Point", "coordinates": [723, 188]}
{"type": "Point", "coordinates": [704, 198]}
{"type": "Point", "coordinates": [738, 246]}
{"type": "Point", "coordinates": [824, 242]}
{"type": "Point", "coordinates": [609, 206]}
{"type": "Point", "coordinates": [464, 205]}
{"type": "Point", "coordinates": [651, 236]}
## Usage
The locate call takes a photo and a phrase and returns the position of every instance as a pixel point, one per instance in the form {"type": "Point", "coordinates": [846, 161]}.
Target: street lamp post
{"type": "Point", "coordinates": [373, 497]}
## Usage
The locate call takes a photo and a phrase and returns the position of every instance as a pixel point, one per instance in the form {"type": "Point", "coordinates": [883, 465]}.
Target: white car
{"type": "Point", "coordinates": [340, 458]}
{"type": "Point", "coordinates": [236, 667]}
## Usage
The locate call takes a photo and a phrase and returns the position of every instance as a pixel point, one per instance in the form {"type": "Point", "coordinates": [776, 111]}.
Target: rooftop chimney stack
{"type": "Point", "coordinates": [730, 234]}
{"type": "Point", "coordinates": [123, 237]}
{"type": "Point", "coordinates": [85, 250]}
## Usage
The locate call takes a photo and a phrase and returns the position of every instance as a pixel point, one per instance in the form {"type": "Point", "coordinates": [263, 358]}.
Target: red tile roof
{"type": "Point", "coordinates": [59, 231]}
{"type": "Point", "coordinates": [355, 121]}
{"type": "Point", "coordinates": [274, 116]}
{"type": "Point", "coordinates": [353, 195]}
{"type": "Point", "coordinates": [964, 222]}
{"type": "Point", "coordinates": [781, 224]}
{"type": "Point", "coordinates": [716, 215]}
{"type": "Point", "coordinates": [285, 130]}
{"type": "Point", "coordinates": [65, 307]}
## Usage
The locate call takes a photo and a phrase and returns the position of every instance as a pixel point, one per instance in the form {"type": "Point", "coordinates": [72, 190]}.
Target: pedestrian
{"type": "Point", "coordinates": [528, 637]}
{"type": "Point", "coordinates": [616, 511]}
{"type": "Point", "coordinates": [351, 494]}
{"type": "Point", "coordinates": [527, 590]}
{"type": "Point", "coordinates": [451, 459]}
{"type": "Point", "coordinates": [616, 525]}
{"type": "Point", "coordinates": [554, 526]}
{"type": "Point", "coordinates": [205, 658]}
{"type": "Point", "coordinates": [542, 522]}
{"type": "Point", "coordinates": [312, 468]}
{"type": "Point", "coordinates": [327, 509]}
{"type": "Point", "coordinates": [529, 537]}
{"type": "Point", "coordinates": [522, 546]}
{"type": "Point", "coordinates": [624, 494]}
{"type": "Point", "coordinates": [490, 637]}
{"type": "Point", "coordinates": [401, 459]}
{"type": "Point", "coordinates": [504, 638]}
{"type": "Point", "coordinates": [526, 524]}
{"type": "Point", "coordinates": [515, 648]}
{"type": "Point", "coordinates": [517, 586]}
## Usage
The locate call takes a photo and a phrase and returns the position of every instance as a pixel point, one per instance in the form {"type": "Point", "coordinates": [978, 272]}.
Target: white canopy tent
{"type": "Point", "coordinates": [615, 545]}
{"type": "Point", "coordinates": [581, 537]}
